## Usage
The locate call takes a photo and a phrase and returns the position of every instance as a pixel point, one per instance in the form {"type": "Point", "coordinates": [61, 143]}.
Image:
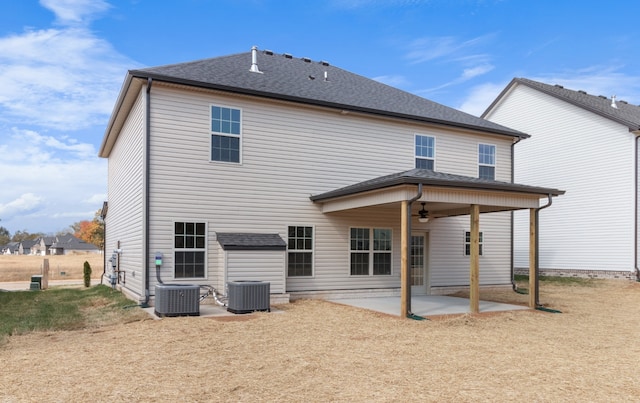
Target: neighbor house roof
{"type": "Point", "coordinates": [250, 241]}
{"type": "Point", "coordinates": [302, 80]}
{"type": "Point", "coordinates": [623, 112]}
{"type": "Point", "coordinates": [433, 178]}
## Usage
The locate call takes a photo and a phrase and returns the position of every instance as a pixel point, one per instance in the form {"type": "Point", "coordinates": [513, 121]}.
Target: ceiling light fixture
{"type": "Point", "coordinates": [423, 215]}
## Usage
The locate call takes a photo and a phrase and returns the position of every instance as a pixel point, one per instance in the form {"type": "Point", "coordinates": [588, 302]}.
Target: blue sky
{"type": "Point", "coordinates": [62, 63]}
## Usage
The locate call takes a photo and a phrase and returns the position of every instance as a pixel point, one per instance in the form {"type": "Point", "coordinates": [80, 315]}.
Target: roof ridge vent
{"type": "Point", "coordinates": [324, 63]}
{"type": "Point", "coordinates": [613, 102]}
{"type": "Point", "coordinates": [602, 96]}
{"type": "Point", "coordinates": [623, 102]}
{"type": "Point", "coordinates": [582, 92]}
{"type": "Point", "coordinates": [558, 85]}
{"type": "Point", "coordinates": [268, 52]}
{"type": "Point", "coordinates": [287, 55]}
{"type": "Point", "coordinates": [254, 60]}
{"type": "Point", "coordinates": [306, 59]}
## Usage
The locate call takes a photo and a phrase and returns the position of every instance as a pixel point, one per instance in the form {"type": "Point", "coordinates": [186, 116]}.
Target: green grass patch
{"type": "Point", "coordinates": [523, 280]}
{"type": "Point", "coordinates": [63, 309]}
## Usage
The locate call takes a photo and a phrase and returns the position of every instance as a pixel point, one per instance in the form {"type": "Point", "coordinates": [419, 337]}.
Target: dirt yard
{"type": "Point", "coordinates": [318, 351]}
{"type": "Point", "coordinates": [62, 267]}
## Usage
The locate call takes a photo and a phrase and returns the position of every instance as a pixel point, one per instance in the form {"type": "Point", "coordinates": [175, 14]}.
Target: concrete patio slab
{"type": "Point", "coordinates": [425, 305]}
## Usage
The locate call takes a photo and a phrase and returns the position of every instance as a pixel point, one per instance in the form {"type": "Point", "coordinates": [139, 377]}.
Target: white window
{"type": "Point", "coordinates": [425, 152]}
{"type": "Point", "coordinates": [225, 134]}
{"type": "Point", "coordinates": [300, 251]}
{"type": "Point", "coordinates": [189, 242]}
{"type": "Point", "coordinates": [486, 161]}
{"type": "Point", "coordinates": [467, 243]}
{"type": "Point", "coordinates": [370, 258]}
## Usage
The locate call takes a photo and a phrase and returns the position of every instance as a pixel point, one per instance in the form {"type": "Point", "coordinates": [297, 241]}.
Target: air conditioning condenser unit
{"type": "Point", "coordinates": [177, 300]}
{"type": "Point", "coordinates": [248, 296]}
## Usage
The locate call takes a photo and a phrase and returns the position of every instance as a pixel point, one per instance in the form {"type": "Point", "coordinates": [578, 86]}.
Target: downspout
{"type": "Point", "coordinates": [537, 262]}
{"type": "Point", "coordinates": [146, 192]}
{"type": "Point", "coordinates": [408, 235]}
{"type": "Point", "coordinates": [635, 212]}
{"type": "Point", "coordinates": [512, 239]}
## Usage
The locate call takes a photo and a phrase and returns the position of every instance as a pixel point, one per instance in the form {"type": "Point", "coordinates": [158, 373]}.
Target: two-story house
{"type": "Point", "coordinates": [265, 166]}
{"type": "Point", "coordinates": [588, 145]}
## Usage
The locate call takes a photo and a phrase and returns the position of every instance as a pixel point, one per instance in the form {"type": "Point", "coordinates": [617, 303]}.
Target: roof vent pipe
{"type": "Point", "coordinates": [613, 102]}
{"type": "Point", "coordinates": [254, 60]}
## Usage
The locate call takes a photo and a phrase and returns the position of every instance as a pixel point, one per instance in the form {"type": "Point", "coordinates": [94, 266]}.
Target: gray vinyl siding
{"type": "Point", "coordinates": [289, 153]}
{"type": "Point", "coordinates": [124, 221]}
{"type": "Point", "coordinates": [592, 158]}
{"type": "Point", "coordinates": [253, 265]}
{"type": "Point", "coordinates": [448, 266]}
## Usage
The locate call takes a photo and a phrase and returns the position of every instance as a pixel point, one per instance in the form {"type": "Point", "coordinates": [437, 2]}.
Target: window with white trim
{"type": "Point", "coordinates": [486, 161]}
{"type": "Point", "coordinates": [425, 151]}
{"type": "Point", "coordinates": [370, 251]}
{"type": "Point", "coordinates": [225, 134]}
{"type": "Point", "coordinates": [300, 251]}
{"type": "Point", "coordinates": [189, 243]}
{"type": "Point", "coordinates": [467, 243]}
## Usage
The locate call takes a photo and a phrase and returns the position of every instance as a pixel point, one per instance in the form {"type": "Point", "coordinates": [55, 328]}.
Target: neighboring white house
{"type": "Point", "coordinates": [264, 166]}
{"type": "Point", "coordinates": [587, 145]}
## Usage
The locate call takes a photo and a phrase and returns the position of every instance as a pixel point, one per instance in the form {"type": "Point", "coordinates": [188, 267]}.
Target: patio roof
{"type": "Point", "coordinates": [444, 194]}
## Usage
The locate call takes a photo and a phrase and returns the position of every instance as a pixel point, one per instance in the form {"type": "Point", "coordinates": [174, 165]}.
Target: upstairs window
{"type": "Point", "coordinates": [425, 152]}
{"type": "Point", "coordinates": [370, 258]}
{"type": "Point", "coordinates": [189, 241]}
{"type": "Point", "coordinates": [300, 252]}
{"type": "Point", "coordinates": [225, 134]}
{"type": "Point", "coordinates": [486, 161]}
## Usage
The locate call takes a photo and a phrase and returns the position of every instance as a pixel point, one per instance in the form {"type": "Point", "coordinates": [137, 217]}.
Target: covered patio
{"type": "Point", "coordinates": [444, 195]}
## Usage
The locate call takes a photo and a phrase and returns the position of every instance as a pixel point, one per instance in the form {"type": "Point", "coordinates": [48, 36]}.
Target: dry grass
{"type": "Point", "coordinates": [21, 268]}
{"type": "Point", "coordinates": [319, 351]}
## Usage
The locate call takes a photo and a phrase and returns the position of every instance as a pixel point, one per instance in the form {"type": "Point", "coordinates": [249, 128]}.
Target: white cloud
{"type": "Point", "coordinates": [480, 97]}
{"type": "Point", "coordinates": [446, 47]}
{"type": "Point", "coordinates": [49, 182]}
{"type": "Point", "coordinates": [63, 78]}
{"type": "Point", "coordinates": [75, 11]}
{"type": "Point", "coordinates": [461, 56]}
{"type": "Point", "coordinates": [24, 203]}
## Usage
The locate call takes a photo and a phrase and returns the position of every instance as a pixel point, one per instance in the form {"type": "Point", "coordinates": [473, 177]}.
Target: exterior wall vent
{"type": "Point", "coordinates": [248, 296]}
{"type": "Point", "coordinates": [177, 300]}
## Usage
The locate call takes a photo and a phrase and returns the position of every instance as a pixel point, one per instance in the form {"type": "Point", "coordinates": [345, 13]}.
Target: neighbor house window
{"type": "Point", "coordinates": [189, 240]}
{"type": "Point", "coordinates": [370, 250]}
{"type": "Point", "coordinates": [486, 161]}
{"type": "Point", "coordinates": [300, 252]}
{"type": "Point", "coordinates": [467, 243]}
{"type": "Point", "coordinates": [225, 134]}
{"type": "Point", "coordinates": [425, 152]}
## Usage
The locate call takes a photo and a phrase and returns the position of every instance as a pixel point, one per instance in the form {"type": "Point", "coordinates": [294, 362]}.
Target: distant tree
{"type": "Point", "coordinates": [5, 236]}
{"type": "Point", "coordinates": [23, 235]}
{"type": "Point", "coordinates": [91, 231]}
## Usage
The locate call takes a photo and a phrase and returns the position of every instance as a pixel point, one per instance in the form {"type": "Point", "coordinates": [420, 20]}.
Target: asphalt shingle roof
{"type": "Point", "coordinates": [433, 178]}
{"type": "Point", "coordinates": [302, 80]}
{"type": "Point", "coordinates": [625, 113]}
{"type": "Point", "coordinates": [250, 241]}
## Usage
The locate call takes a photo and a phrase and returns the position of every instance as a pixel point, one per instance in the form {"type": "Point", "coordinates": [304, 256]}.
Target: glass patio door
{"type": "Point", "coordinates": [418, 264]}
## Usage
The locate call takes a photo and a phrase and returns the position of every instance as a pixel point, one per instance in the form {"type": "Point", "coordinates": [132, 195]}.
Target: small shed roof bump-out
{"type": "Point", "coordinates": [250, 241]}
